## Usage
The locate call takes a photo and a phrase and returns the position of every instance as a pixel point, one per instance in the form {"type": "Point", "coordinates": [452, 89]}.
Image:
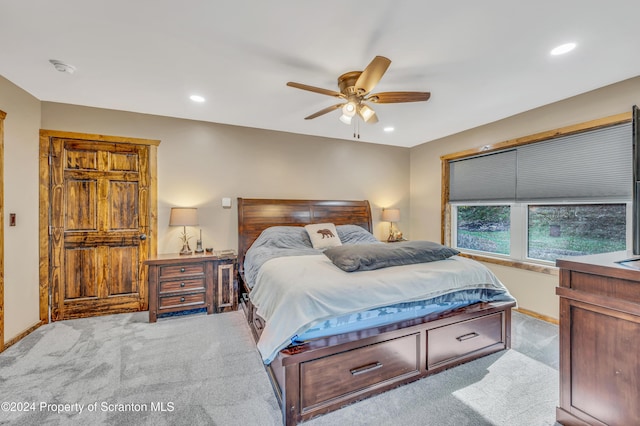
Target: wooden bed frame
{"type": "Point", "coordinates": [325, 374]}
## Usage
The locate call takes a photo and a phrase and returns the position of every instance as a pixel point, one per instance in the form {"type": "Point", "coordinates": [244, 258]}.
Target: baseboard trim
{"type": "Point", "coordinates": [538, 316]}
{"type": "Point", "coordinates": [23, 335]}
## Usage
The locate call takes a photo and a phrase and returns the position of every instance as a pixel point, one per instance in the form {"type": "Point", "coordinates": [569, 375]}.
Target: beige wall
{"type": "Point", "coordinates": [535, 291]}
{"type": "Point", "coordinates": [199, 163]}
{"type": "Point", "coordinates": [22, 125]}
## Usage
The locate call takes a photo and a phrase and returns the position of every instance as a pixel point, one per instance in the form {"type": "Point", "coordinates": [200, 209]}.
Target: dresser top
{"type": "Point", "coordinates": [176, 257]}
{"type": "Point", "coordinates": [611, 264]}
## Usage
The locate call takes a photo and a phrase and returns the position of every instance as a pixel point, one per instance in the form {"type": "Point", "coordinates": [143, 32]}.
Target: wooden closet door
{"type": "Point", "coordinates": [99, 222]}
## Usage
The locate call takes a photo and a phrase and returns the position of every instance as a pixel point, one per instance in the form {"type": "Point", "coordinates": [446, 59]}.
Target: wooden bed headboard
{"type": "Point", "coordinates": [257, 214]}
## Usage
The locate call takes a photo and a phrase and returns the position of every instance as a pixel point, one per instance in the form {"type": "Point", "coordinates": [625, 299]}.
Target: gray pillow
{"type": "Point", "coordinates": [354, 234]}
{"type": "Point", "coordinates": [366, 257]}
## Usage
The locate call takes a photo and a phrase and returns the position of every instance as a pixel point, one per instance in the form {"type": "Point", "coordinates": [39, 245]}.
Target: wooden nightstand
{"type": "Point", "coordinates": [180, 283]}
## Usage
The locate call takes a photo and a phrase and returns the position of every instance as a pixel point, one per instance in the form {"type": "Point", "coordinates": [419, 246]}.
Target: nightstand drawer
{"type": "Point", "coordinates": [185, 269]}
{"type": "Point", "coordinates": [187, 285]}
{"type": "Point", "coordinates": [193, 299]}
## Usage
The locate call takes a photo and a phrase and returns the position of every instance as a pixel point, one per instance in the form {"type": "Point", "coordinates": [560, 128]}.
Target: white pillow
{"type": "Point", "coordinates": [323, 235]}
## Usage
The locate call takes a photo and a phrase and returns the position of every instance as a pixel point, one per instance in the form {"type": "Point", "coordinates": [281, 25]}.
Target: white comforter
{"type": "Point", "coordinates": [294, 293]}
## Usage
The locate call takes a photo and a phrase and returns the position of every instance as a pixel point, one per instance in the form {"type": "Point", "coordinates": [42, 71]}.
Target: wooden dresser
{"type": "Point", "coordinates": [599, 341]}
{"type": "Point", "coordinates": [182, 283]}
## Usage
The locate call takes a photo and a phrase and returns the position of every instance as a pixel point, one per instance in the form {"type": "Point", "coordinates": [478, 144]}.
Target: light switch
{"type": "Point", "coordinates": [12, 219]}
{"type": "Point", "coordinates": [226, 203]}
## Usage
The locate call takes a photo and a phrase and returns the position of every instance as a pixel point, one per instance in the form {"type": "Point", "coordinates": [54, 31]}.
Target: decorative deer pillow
{"type": "Point", "coordinates": [323, 235]}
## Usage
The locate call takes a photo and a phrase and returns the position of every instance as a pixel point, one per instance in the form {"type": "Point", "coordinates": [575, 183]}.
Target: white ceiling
{"type": "Point", "coordinates": [481, 60]}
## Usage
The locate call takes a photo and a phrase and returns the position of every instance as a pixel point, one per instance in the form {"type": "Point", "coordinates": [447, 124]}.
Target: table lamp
{"type": "Point", "coordinates": [391, 215]}
{"type": "Point", "coordinates": [184, 216]}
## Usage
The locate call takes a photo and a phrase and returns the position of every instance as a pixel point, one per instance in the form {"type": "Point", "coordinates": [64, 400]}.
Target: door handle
{"type": "Point", "coordinates": [143, 237]}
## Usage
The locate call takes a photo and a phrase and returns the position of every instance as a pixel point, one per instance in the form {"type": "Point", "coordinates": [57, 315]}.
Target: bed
{"type": "Point", "coordinates": [323, 354]}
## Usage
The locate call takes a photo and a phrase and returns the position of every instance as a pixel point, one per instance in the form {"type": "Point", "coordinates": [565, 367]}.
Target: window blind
{"type": "Point", "coordinates": [489, 177]}
{"type": "Point", "coordinates": [591, 165]}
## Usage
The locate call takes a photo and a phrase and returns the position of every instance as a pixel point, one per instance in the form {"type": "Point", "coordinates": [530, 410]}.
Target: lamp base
{"type": "Point", "coordinates": [186, 250]}
{"type": "Point", "coordinates": [395, 236]}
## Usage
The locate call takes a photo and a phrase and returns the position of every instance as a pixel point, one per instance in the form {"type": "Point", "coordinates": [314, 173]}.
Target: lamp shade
{"type": "Point", "coordinates": [366, 113]}
{"type": "Point", "coordinates": [183, 216]}
{"type": "Point", "coordinates": [391, 215]}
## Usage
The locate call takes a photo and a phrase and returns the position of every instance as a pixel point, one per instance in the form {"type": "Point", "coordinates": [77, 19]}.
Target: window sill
{"type": "Point", "coordinates": [534, 267]}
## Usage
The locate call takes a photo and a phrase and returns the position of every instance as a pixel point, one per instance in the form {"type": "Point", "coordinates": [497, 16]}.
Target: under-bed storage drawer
{"type": "Point", "coordinates": [331, 377]}
{"type": "Point", "coordinates": [452, 342]}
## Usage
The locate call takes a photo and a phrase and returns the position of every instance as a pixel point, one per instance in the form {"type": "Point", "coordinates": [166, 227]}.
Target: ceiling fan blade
{"type": "Point", "coordinates": [398, 97]}
{"type": "Point", "coordinates": [315, 89]}
{"type": "Point", "coordinates": [324, 111]}
{"type": "Point", "coordinates": [372, 75]}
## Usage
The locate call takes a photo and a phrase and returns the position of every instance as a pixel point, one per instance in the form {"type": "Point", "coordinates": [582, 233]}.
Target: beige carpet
{"type": "Point", "coordinates": [205, 370]}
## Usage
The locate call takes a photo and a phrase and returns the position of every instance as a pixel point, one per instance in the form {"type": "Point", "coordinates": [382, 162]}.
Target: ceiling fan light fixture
{"type": "Point", "coordinates": [366, 113]}
{"type": "Point", "coordinates": [345, 119]}
{"type": "Point", "coordinates": [349, 109]}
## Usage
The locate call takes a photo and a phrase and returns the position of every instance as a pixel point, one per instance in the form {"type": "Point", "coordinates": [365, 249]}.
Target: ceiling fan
{"type": "Point", "coordinates": [355, 88]}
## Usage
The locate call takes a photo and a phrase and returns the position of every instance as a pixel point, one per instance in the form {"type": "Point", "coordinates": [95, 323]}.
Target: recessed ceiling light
{"type": "Point", "coordinates": [388, 129]}
{"type": "Point", "coordinates": [563, 48]}
{"type": "Point", "coordinates": [196, 98]}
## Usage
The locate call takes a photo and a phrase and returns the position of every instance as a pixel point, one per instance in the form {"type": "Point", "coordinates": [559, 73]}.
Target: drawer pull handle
{"type": "Point", "coordinates": [181, 269]}
{"type": "Point", "coordinates": [182, 299]}
{"type": "Point", "coordinates": [467, 336]}
{"type": "Point", "coordinates": [181, 284]}
{"type": "Point", "coordinates": [366, 368]}
{"type": "Point", "coordinates": [259, 323]}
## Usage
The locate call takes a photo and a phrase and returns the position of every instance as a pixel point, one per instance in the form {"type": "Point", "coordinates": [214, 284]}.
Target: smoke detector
{"type": "Point", "coordinates": [62, 67]}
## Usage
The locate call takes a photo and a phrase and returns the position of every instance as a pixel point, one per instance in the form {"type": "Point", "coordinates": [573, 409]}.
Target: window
{"type": "Point", "coordinates": [550, 230]}
{"type": "Point", "coordinates": [575, 229]}
{"type": "Point", "coordinates": [570, 195]}
{"type": "Point", "coordinates": [484, 228]}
